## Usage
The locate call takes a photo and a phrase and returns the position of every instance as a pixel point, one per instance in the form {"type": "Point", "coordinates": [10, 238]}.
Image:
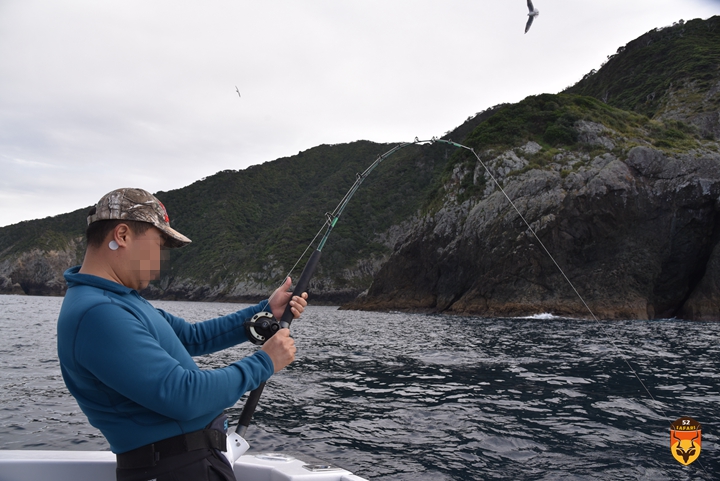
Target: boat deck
{"type": "Point", "coordinates": [27, 465]}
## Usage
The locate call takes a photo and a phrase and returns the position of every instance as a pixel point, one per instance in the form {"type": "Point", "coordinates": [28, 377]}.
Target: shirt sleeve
{"type": "Point", "coordinates": [120, 351]}
{"type": "Point", "coordinates": [215, 334]}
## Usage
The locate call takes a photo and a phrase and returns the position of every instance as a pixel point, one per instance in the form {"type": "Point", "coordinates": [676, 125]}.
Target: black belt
{"type": "Point", "coordinates": [150, 454]}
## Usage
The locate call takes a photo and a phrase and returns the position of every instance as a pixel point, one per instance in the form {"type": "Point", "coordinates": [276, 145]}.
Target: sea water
{"type": "Point", "coordinates": [395, 396]}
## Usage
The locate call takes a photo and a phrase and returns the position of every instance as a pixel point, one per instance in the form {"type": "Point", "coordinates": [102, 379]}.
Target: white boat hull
{"type": "Point", "coordinates": [27, 465]}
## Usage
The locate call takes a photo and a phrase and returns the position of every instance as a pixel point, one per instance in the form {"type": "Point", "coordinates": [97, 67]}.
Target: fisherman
{"type": "Point", "coordinates": [129, 365]}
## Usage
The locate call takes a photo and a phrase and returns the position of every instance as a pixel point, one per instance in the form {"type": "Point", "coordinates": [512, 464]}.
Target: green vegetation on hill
{"type": "Point", "coordinates": [50, 233]}
{"type": "Point", "coordinates": [550, 121]}
{"type": "Point", "coordinates": [640, 75]}
{"type": "Point", "coordinates": [260, 220]}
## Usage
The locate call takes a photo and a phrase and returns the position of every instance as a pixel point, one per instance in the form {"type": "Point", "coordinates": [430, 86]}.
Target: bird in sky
{"type": "Point", "coordinates": [238, 90]}
{"type": "Point", "coordinates": [534, 12]}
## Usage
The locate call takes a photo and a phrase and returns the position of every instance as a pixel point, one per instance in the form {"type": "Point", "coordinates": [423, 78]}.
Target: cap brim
{"type": "Point", "coordinates": [174, 238]}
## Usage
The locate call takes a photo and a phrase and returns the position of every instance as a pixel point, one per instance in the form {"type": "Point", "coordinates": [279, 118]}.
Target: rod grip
{"type": "Point", "coordinates": [249, 410]}
{"type": "Point", "coordinates": [301, 286]}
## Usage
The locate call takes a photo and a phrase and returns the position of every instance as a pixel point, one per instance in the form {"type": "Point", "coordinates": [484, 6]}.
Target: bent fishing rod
{"type": "Point", "coordinates": [263, 325]}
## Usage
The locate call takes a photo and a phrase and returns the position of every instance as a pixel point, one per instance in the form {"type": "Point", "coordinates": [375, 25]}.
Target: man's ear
{"type": "Point", "coordinates": [121, 234]}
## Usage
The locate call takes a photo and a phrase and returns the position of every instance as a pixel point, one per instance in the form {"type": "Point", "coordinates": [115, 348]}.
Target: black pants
{"type": "Point", "coordinates": [200, 465]}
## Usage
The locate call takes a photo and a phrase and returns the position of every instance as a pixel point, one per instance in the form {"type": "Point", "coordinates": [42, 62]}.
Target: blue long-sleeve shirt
{"type": "Point", "coordinates": [129, 365]}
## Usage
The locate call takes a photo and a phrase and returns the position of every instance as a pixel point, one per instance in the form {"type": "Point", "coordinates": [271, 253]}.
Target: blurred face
{"type": "Point", "coordinates": [145, 257]}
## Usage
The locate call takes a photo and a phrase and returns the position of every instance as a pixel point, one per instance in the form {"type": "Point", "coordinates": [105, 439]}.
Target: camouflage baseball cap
{"type": "Point", "coordinates": [138, 205]}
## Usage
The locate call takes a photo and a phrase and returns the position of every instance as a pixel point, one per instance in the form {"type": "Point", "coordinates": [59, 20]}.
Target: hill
{"type": "Point", "coordinates": [249, 227]}
{"type": "Point", "coordinates": [619, 176]}
{"type": "Point", "coordinates": [668, 73]}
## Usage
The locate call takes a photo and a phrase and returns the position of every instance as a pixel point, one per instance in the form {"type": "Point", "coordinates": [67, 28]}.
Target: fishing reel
{"type": "Point", "coordinates": [261, 327]}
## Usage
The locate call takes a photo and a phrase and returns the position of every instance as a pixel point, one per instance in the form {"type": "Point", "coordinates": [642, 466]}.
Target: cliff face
{"type": "Point", "coordinates": [39, 272]}
{"type": "Point", "coordinates": [636, 234]}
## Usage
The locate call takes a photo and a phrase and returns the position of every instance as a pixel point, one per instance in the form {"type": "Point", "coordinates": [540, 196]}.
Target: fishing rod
{"type": "Point", "coordinates": [262, 326]}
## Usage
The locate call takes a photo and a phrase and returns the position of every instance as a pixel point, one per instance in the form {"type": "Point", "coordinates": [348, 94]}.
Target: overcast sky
{"type": "Point", "coordinates": [97, 95]}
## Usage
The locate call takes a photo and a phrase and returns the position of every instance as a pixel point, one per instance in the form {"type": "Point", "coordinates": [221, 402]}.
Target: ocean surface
{"type": "Point", "coordinates": [394, 396]}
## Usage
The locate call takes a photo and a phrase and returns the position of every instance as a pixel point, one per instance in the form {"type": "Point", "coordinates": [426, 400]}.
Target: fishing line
{"type": "Point", "coordinates": [309, 246]}
{"type": "Point", "coordinates": [597, 321]}
{"type": "Point", "coordinates": [532, 231]}
{"type": "Point", "coordinates": [332, 218]}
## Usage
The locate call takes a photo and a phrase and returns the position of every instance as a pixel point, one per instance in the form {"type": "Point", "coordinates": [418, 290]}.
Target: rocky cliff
{"type": "Point", "coordinates": [636, 234]}
{"type": "Point", "coordinates": [39, 272]}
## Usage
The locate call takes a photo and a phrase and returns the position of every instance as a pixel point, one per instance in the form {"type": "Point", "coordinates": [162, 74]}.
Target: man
{"type": "Point", "coordinates": [129, 365]}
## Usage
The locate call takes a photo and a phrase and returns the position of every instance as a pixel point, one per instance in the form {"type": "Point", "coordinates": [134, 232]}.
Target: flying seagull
{"type": "Point", "coordinates": [238, 91]}
{"type": "Point", "coordinates": [534, 12]}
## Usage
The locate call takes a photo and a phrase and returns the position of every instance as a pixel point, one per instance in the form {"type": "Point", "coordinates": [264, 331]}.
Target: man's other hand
{"type": "Point", "coordinates": [280, 348]}
{"type": "Point", "coordinates": [280, 298]}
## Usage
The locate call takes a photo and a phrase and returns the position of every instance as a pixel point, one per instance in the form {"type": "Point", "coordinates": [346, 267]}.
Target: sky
{"type": "Point", "coordinates": [96, 95]}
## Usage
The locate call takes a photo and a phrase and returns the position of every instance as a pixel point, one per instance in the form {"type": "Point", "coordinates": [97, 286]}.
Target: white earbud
{"type": "Point", "coordinates": [113, 245]}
